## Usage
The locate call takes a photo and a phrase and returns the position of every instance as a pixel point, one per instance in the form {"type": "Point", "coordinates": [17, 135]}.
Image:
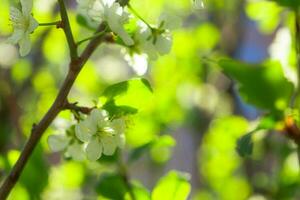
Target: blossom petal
{"type": "Point", "coordinates": [121, 140]}
{"type": "Point", "coordinates": [150, 50]}
{"type": "Point", "coordinates": [76, 152]}
{"type": "Point", "coordinates": [169, 21]}
{"type": "Point", "coordinates": [109, 145]}
{"type": "Point", "coordinates": [99, 117]}
{"type": "Point", "coordinates": [122, 34]}
{"type": "Point", "coordinates": [94, 150]}
{"type": "Point", "coordinates": [25, 45]}
{"type": "Point", "coordinates": [33, 24]}
{"type": "Point", "coordinates": [116, 17]}
{"type": "Point", "coordinates": [26, 7]}
{"type": "Point", "coordinates": [118, 125]}
{"type": "Point", "coordinates": [163, 44]}
{"type": "Point", "coordinates": [84, 130]}
{"type": "Point", "coordinates": [58, 142]}
{"type": "Point", "coordinates": [15, 15]}
{"type": "Point", "coordinates": [16, 36]}
{"type": "Point", "coordinates": [95, 10]}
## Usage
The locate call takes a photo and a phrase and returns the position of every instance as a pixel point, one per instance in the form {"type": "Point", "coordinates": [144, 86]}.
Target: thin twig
{"type": "Point", "coordinates": [76, 108]}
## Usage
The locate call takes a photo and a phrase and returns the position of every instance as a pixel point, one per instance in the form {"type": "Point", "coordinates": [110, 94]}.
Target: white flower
{"type": "Point", "coordinates": [100, 134]}
{"type": "Point", "coordinates": [198, 4]}
{"type": "Point", "coordinates": [58, 142]}
{"type": "Point", "coordinates": [110, 12]}
{"type": "Point", "coordinates": [138, 62]}
{"type": "Point", "coordinates": [157, 41]}
{"type": "Point", "coordinates": [23, 24]}
{"type": "Point", "coordinates": [68, 143]}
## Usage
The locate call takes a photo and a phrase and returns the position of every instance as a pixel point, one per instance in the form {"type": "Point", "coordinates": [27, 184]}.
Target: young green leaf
{"type": "Point", "coordinates": [124, 87]}
{"type": "Point", "coordinates": [127, 97]}
{"type": "Point", "coordinates": [262, 85]}
{"type": "Point", "coordinates": [139, 192]}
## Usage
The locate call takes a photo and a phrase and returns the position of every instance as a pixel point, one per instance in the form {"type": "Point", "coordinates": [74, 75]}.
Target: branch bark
{"type": "Point", "coordinates": [65, 24]}
{"type": "Point", "coordinates": [75, 67]}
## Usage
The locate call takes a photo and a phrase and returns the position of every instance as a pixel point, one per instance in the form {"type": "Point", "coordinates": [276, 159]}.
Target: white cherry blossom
{"type": "Point", "coordinates": [23, 24]}
{"type": "Point", "coordinates": [110, 12]}
{"type": "Point", "coordinates": [101, 135]}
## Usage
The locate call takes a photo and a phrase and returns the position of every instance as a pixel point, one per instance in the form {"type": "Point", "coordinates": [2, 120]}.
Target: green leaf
{"type": "Point", "coordinates": [121, 88]}
{"type": "Point", "coordinates": [111, 186]}
{"type": "Point", "coordinates": [262, 85]}
{"type": "Point", "coordinates": [118, 111]}
{"type": "Point", "coordinates": [288, 3]}
{"type": "Point", "coordinates": [173, 186]}
{"type": "Point", "coordinates": [245, 145]}
{"type": "Point", "coordinates": [127, 97]}
{"type": "Point", "coordinates": [139, 191]}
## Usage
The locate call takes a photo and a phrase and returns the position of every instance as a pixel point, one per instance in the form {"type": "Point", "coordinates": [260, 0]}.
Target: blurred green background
{"type": "Point", "coordinates": [191, 121]}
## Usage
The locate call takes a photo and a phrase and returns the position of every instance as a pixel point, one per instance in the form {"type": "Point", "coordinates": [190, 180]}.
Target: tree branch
{"type": "Point", "coordinates": [65, 24]}
{"type": "Point", "coordinates": [57, 106]}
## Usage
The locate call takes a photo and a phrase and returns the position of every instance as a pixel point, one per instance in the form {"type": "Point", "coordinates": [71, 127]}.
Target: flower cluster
{"type": "Point", "coordinates": [110, 12]}
{"type": "Point", "coordinates": [150, 40]}
{"type": "Point", "coordinates": [23, 24]}
{"type": "Point", "coordinates": [94, 136]}
{"type": "Point", "coordinates": [147, 39]}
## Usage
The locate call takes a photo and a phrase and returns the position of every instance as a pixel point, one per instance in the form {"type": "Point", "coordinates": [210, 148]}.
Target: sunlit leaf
{"type": "Point", "coordinates": [262, 85]}
{"type": "Point", "coordinates": [127, 97]}
{"type": "Point", "coordinates": [139, 192]}
{"type": "Point", "coordinates": [173, 186]}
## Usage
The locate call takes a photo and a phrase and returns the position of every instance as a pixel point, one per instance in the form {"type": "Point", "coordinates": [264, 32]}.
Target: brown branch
{"type": "Point", "coordinates": [58, 105]}
{"type": "Point", "coordinates": [65, 24]}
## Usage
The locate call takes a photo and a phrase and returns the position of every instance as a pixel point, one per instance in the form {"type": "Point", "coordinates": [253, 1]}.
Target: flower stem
{"type": "Point", "coordinates": [91, 37]}
{"type": "Point", "coordinates": [50, 23]}
{"type": "Point", "coordinates": [138, 16]}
